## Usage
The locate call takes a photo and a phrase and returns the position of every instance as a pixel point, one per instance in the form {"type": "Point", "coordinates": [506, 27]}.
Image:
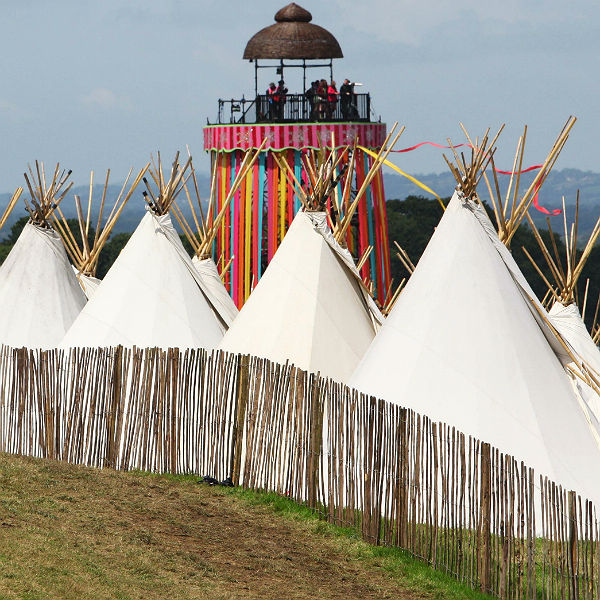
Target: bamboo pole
{"type": "Point", "coordinates": [404, 258]}
{"type": "Point", "coordinates": [92, 263]}
{"type": "Point", "coordinates": [364, 257]}
{"type": "Point", "coordinates": [10, 206]}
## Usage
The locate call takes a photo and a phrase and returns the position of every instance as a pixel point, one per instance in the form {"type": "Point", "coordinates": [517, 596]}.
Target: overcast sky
{"type": "Point", "coordinates": [96, 84]}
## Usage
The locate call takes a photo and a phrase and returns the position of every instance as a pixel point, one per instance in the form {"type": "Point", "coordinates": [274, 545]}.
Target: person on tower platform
{"type": "Point", "coordinates": [279, 98]}
{"type": "Point", "coordinates": [332, 98]}
{"type": "Point", "coordinates": [271, 98]}
{"type": "Point", "coordinates": [322, 99]}
{"type": "Point", "coordinates": [313, 99]}
{"type": "Point", "coordinates": [347, 100]}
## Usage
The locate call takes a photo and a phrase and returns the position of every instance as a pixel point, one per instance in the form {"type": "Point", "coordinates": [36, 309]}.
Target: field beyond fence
{"type": "Point", "coordinates": [451, 500]}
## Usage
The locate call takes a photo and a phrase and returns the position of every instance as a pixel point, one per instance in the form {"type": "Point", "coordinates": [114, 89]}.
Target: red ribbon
{"type": "Point", "coordinates": [553, 213]}
{"type": "Point", "coordinates": [430, 144]}
{"type": "Point", "coordinates": [536, 204]}
{"type": "Point", "coordinates": [519, 172]}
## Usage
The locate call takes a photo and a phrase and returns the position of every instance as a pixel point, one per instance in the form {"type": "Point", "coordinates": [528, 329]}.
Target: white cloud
{"type": "Point", "coordinates": [106, 99]}
{"type": "Point", "coordinates": [410, 23]}
{"type": "Point", "coordinates": [13, 112]}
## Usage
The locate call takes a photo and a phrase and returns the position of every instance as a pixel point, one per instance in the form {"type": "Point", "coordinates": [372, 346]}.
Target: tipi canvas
{"type": "Point", "coordinates": [462, 345]}
{"type": "Point", "coordinates": [39, 293]}
{"type": "Point", "coordinates": [150, 297]}
{"type": "Point", "coordinates": [88, 283]}
{"type": "Point", "coordinates": [216, 291]}
{"type": "Point", "coordinates": [310, 307]}
{"type": "Point", "coordinates": [570, 325]}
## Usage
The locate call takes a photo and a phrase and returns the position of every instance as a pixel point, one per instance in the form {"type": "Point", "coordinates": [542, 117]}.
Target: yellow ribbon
{"type": "Point", "coordinates": [409, 177]}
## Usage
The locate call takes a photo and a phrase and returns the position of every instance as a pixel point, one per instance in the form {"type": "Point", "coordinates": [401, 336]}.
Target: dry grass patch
{"type": "Point", "coordinates": [72, 532]}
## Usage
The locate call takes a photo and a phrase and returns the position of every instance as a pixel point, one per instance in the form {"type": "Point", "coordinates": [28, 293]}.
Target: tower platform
{"type": "Point", "coordinates": [293, 125]}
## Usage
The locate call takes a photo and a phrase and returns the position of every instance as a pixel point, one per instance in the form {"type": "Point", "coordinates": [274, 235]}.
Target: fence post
{"type": "Point", "coordinates": [316, 440]}
{"type": "Point", "coordinates": [377, 476]}
{"type": "Point", "coordinates": [573, 558]}
{"type": "Point", "coordinates": [243, 387]}
{"type": "Point", "coordinates": [486, 510]}
{"type": "Point", "coordinates": [404, 480]}
{"type": "Point", "coordinates": [109, 458]}
{"type": "Point", "coordinates": [531, 533]}
{"type": "Point", "coordinates": [24, 391]}
{"type": "Point", "coordinates": [43, 374]}
{"type": "Point", "coordinates": [173, 374]}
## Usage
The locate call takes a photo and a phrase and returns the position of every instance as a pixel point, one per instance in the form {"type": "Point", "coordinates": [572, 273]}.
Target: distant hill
{"type": "Point", "coordinates": [130, 217]}
{"type": "Point", "coordinates": [560, 183]}
{"type": "Point", "coordinates": [565, 182]}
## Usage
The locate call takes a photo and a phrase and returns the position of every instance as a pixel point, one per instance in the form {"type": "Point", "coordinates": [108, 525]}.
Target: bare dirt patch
{"type": "Point", "coordinates": [72, 532]}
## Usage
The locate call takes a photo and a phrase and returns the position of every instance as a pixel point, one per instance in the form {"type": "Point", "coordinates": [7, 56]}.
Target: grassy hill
{"type": "Point", "coordinates": [73, 532]}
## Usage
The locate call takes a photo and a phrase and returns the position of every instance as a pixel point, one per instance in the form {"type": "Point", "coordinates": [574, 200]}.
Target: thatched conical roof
{"type": "Point", "coordinates": [293, 36]}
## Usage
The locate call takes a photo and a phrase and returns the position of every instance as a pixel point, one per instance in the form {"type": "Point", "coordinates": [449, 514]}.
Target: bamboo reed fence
{"type": "Point", "coordinates": [451, 500]}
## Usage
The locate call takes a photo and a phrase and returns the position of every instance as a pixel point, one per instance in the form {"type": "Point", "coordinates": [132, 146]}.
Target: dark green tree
{"type": "Point", "coordinates": [15, 231]}
{"type": "Point", "coordinates": [109, 253]}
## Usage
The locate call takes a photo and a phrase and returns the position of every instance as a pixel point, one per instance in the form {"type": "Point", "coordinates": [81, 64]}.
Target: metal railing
{"type": "Point", "coordinates": [294, 108]}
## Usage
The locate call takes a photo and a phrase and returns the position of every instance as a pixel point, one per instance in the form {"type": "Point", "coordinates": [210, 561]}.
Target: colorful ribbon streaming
{"type": "Point", "coordinates": [554, 212]}
{"type": "Point", "coordinates": [409, 177]}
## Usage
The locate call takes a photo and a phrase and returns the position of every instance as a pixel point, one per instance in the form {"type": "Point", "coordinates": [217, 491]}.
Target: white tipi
{"type": "Point", "coordinates": [585, 374]}
{"type": "Point", "coordinates": [564, 313]}
{"type": "Point", "coordinates": [39, 294]}
{"type": "Point", "coordinates": [464, 344]}
{"type": "Point", "coordinates": [310, 307]}
{"type": "Point", "coordinates": [152, 295]}
{"type": "Point", "coordinates": [202, 234]}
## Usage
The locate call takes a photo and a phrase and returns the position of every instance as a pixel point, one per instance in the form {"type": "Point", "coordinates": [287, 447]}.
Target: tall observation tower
{"type": "Point", "coordinates": [293, 123]}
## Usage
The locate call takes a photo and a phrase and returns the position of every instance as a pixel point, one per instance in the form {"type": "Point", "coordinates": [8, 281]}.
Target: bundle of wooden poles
{"type": "Point", "coordinates": [512, 207]}
{"type": "Point", "coordinates": [84, 254]}
{"type": "Point", "coordinates": [202, 233]}
{"type": "Point", "coordinates": [564, 271]}
{"type": "Point", "coordinates": [331, 171]}
{"type": "Point", "coordinates": [45, 199]}
{"type": "Point", "coordinates": [165, 191]}
{"type": "Point", "coordinates": [327, 168]}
